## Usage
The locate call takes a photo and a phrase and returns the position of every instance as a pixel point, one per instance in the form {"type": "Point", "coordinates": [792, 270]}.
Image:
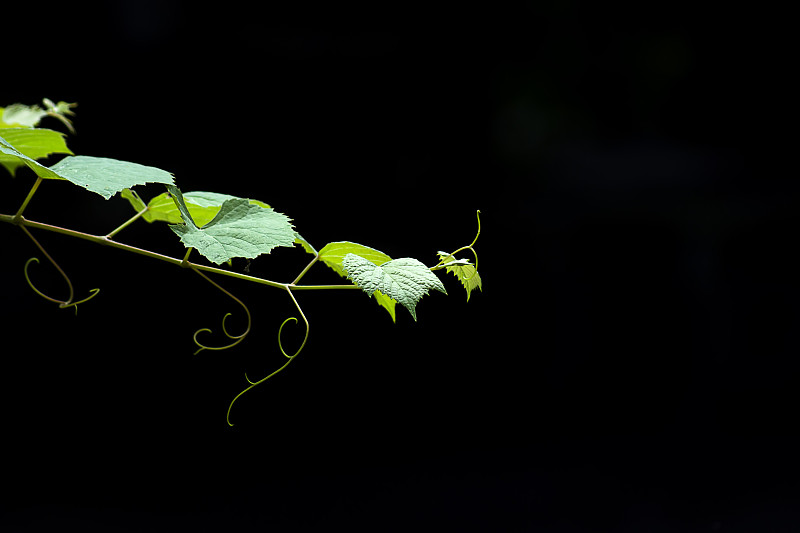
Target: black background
{"type": "Point", "coordinates": [631, 365]}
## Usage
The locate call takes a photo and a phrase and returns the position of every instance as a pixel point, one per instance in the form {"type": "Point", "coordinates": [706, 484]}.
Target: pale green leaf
{"type": "Point", "coordinates": [406, 279]}
{"type": "Point", "coordinates": [464, 271]}
{"type": "Point", "coordinates": [17, 115]}
{"type": "Point", "coordinates": [35, 143]}
{"type": "Point", "coordinates": [107, 177]}
{"type": "Point", "coordinates": [239, 229]}
{"type": "Point", "coordinates": [333, 253]}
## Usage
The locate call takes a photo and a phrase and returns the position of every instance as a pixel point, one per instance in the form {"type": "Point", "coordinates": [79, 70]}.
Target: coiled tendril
{"type": "Point", "coordinates": [445, 259]}
{"type": "Point", "coordinates": [289, 358]}
{"type": "Point", "coordinates": [63, 304]}
{"type": "Point", "coordinates": [236, 338]}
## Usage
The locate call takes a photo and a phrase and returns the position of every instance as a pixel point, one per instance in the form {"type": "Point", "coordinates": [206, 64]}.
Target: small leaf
{"type": "Point", "coordinates": [17, 115]}
{"type": "Point", "coordinates": [35, 143]}
{"type": "Point", "coordinates": [333, 253]}
{"type": "Point", "coordinates": [137, 203]}
{"type": "Point", "coordinates": [306, 245]}
{"type": "Point", "coordinates": [107, 177]}
{"type": "Point", "coordinates": [406, 279]}
{"type": "Point", "coordinates": [239, 229]}
{"type": "Point", "coordinates": [464, 271]}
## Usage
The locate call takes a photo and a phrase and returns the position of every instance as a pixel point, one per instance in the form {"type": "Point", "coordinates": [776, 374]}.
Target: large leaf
{"type": "Point", "coordinates": [406, 279]}
{"type": "Point", "coordinates": [34, 143]}
{"type": "Point", "coordinates": [107, 177]}
{"type": "Point", "coordinates": [239, 229]}
{"type": "Point", "coordinates": [464, 271]}
{"type": "Point", "coordinates": [333, 253]}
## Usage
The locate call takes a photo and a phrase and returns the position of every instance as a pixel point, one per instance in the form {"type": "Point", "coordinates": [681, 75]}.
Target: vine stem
{"type": "Point", "coordinates": [16, 218]}
{"type": "Point", "coordinates": [127, 223]}
{"type": "Point", "coordinates": [106, 241]}
{"type": "Point", "coordinates": [306, 269]}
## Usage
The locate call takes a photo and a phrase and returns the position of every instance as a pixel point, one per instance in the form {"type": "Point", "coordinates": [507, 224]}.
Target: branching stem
{"type": "Point", "coordinates": [127, 223]}
{"type": "Point", "coordinates": [306, 269]}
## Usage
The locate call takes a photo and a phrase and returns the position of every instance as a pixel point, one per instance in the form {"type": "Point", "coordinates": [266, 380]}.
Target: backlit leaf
{"type": "Point", "coordinates": [12, 157]}
{"type": "Point", "coordinates": [203, 206]}
{"type": "Point", "coordinates": [464, 271]}
{"type": "Point", "coordinates": [34, 143]}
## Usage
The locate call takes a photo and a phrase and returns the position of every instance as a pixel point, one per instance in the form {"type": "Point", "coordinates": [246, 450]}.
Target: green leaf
{"type": "Point", "coordinates": [239, 229]}
{"type": "Point", "coordinates": [203, 206]}
{"type": "Point", "coordinates": [107, 177]}
{"type": "Point", "coordinates": [13, 156]}
{"type": "Point", "coordinates": [33, 143]}
{"type": "Point", "coordinates": [306, 245]}
{"type": "Point", "coordinates": [137, 203]}
{"type": "Point", "coordinates": [406, 279]}
{"type": "Point", "coordinates": [333, 253]}
{"type": "Point", "coordinates": [464, 271]}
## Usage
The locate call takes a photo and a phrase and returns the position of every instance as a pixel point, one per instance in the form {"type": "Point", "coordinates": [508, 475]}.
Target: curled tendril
{"type": "Point", "coordinates": [289, 358]}
{"type": "Point", "coordinates": [443, 262]}
{"type": "Point", "coordinates": [236, 338]}
{"type": "Point", "coordinates": [63, 304]}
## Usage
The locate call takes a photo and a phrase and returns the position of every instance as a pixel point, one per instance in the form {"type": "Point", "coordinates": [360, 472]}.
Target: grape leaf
{"type": "Point", "coordinates": [35, 143]}
{"type": "Point", "coordinates": [13, 156]}
{"type": "Point", "coordinates": [107, 177]}
{"type": "Point", "coordinates": [203, 206]}
{"type": "Point", "coordinates": [239, 229]}
{"type": "Point", "coordinates": [464, 271]}
{"type": "Point", "coordinates": [333, 253]}
{"type": "Point", "coordinates": [306, 245]}
{"type": "Point", "coordinates": [406, 279]}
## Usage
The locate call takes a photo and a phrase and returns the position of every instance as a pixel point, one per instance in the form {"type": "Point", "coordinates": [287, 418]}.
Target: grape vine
{"type": "Point", "coordinates": [217, 226]}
